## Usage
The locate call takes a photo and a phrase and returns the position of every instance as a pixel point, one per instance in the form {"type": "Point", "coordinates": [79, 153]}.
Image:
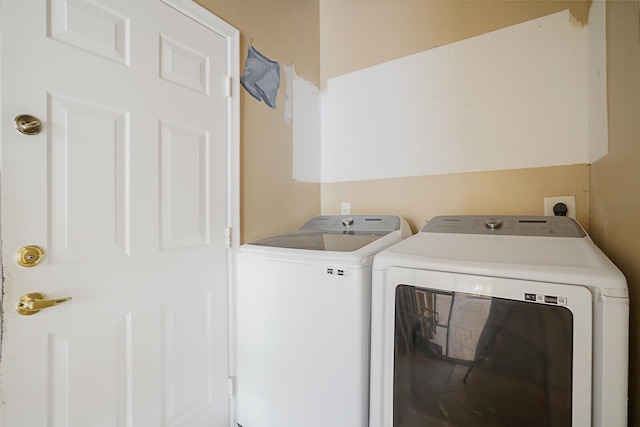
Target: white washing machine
{"type": "Point", "coordinates": [501, 322]}
{"type": "Point", "coordinates": [303, 322]}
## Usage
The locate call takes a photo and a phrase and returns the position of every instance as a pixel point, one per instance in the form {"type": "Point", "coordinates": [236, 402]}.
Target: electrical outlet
{"type": "Point", "coordinates": [345, 208]}
{"type": "Point", "coordinates": [569, 201]}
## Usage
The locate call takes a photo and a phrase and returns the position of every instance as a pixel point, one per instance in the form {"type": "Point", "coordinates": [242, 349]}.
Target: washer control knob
{"type": "Point", "coordinates": [493, 223]}
{"type": "Point", "coordinates": [347, 221]}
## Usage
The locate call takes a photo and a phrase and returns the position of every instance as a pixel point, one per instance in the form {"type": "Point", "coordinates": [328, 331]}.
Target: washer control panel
{"type": "Point", "coordinates": [508, 225]}
{"type": "Point", "coordinates": [364, 223]}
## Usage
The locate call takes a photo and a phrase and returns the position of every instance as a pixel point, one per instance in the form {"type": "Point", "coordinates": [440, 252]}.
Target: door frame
{"type": "Point", "coordinates": [232, 192]}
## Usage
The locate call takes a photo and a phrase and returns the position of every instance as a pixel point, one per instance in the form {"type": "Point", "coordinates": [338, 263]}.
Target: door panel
{"type": "Point", "coordinates": [184, 66]}
{"type": "Point", "coordinates": [87, 361]}
{"type": "Point", "coordinates": [185, 177]}
{"type": "Point", "coordinates": [127, 191]}
{"type": "Point", "coordinates": [188, 391]}
{"type": "Point", "coordinates": [90, 26]}
{"type": "Point", "coordinates": [90, 183]}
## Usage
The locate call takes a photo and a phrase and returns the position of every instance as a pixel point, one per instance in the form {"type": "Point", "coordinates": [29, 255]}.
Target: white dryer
{"type": "Point", "coordinates": [501, 322]}
{"type": "Point", "coordinates": [303, 322]}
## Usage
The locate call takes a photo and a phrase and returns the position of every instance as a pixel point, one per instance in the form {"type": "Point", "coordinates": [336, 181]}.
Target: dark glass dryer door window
{"type": "Point", "coordinates": [464, 360]}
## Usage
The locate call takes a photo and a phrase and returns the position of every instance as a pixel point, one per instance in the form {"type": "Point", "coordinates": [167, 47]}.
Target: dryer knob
{"type": "Point", "coordinates": [347, 221]}
{"type": "Point", "coordinates": [493, 223]}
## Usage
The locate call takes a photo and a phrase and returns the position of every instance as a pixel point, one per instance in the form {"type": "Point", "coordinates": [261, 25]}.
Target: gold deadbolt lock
{"type": "Point", "coordinates": [29, 256]}
{"type": "Point", "coordinates": [27, 124]}
{"type": "Point", "coordinates": [34, 302]}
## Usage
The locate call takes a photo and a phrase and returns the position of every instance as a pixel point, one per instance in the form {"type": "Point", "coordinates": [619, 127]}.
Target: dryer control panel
{"type": "Point", "coordinates": [506, 225]}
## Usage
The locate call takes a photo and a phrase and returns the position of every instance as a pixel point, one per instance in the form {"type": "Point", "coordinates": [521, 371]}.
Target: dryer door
{"type": "Point", "coordinates": [487, 352]}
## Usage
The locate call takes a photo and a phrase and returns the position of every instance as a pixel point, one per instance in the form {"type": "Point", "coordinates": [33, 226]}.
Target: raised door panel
{"type": "Point", "coordinates": [89, 180]}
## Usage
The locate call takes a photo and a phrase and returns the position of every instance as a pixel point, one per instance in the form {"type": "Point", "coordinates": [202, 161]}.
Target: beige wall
{"type": "Point", "coordinates": [286, 31]}
{"type": "Point", "coordinates": [417, 199]}
{"type": "Point", "coordinates": [615, 180]}
{"type": "Point", "coordinates": [356, 34]}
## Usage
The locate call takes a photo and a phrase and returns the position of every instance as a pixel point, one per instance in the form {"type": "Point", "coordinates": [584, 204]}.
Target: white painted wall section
{"type": "Point", "coordinates": [517, 97]}
{"type": "Point", "coordinates": [598, 123]}
{"type": "Point", "coordinates": [304, 101]}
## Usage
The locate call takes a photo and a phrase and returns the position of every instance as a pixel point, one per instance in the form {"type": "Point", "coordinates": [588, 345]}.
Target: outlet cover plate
{"type": "Point", "coordinates": [550, 202]}
{"type": "Point", "coordinates": [345, 208]}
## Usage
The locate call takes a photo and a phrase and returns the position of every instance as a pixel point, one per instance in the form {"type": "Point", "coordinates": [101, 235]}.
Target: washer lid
{"type": "Point", "coordinates": [320, 241]}
{"type": "Point", "coordinates": [337, 233]}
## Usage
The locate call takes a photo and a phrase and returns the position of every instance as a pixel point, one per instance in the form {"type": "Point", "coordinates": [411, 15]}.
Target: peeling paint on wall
{"type": "Point", "coordinates": [580, 12]}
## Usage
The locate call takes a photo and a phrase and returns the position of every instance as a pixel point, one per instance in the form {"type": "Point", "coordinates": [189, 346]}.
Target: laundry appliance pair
{"type": "Point", "coordinates": [475, 321]}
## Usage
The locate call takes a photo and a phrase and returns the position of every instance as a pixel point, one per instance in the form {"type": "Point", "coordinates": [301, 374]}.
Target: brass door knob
{"type": "Point", "coordinates": [27, 124]}
{"type": "Point", "coordinates": [34, 302]}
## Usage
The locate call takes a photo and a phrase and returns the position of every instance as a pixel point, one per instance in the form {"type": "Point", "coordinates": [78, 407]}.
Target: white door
{"type": "Point", "coordinates": [129, 189]}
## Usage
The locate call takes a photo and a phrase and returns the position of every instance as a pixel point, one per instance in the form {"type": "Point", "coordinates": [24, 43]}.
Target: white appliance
{"type": "Point", "coordinates": [498, 321]}
{"type": "Point", "coordinates": [303, 322]}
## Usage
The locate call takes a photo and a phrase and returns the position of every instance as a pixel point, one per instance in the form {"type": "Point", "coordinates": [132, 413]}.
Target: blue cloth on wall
{"type": "Point", "coordinates": [261, 77]}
